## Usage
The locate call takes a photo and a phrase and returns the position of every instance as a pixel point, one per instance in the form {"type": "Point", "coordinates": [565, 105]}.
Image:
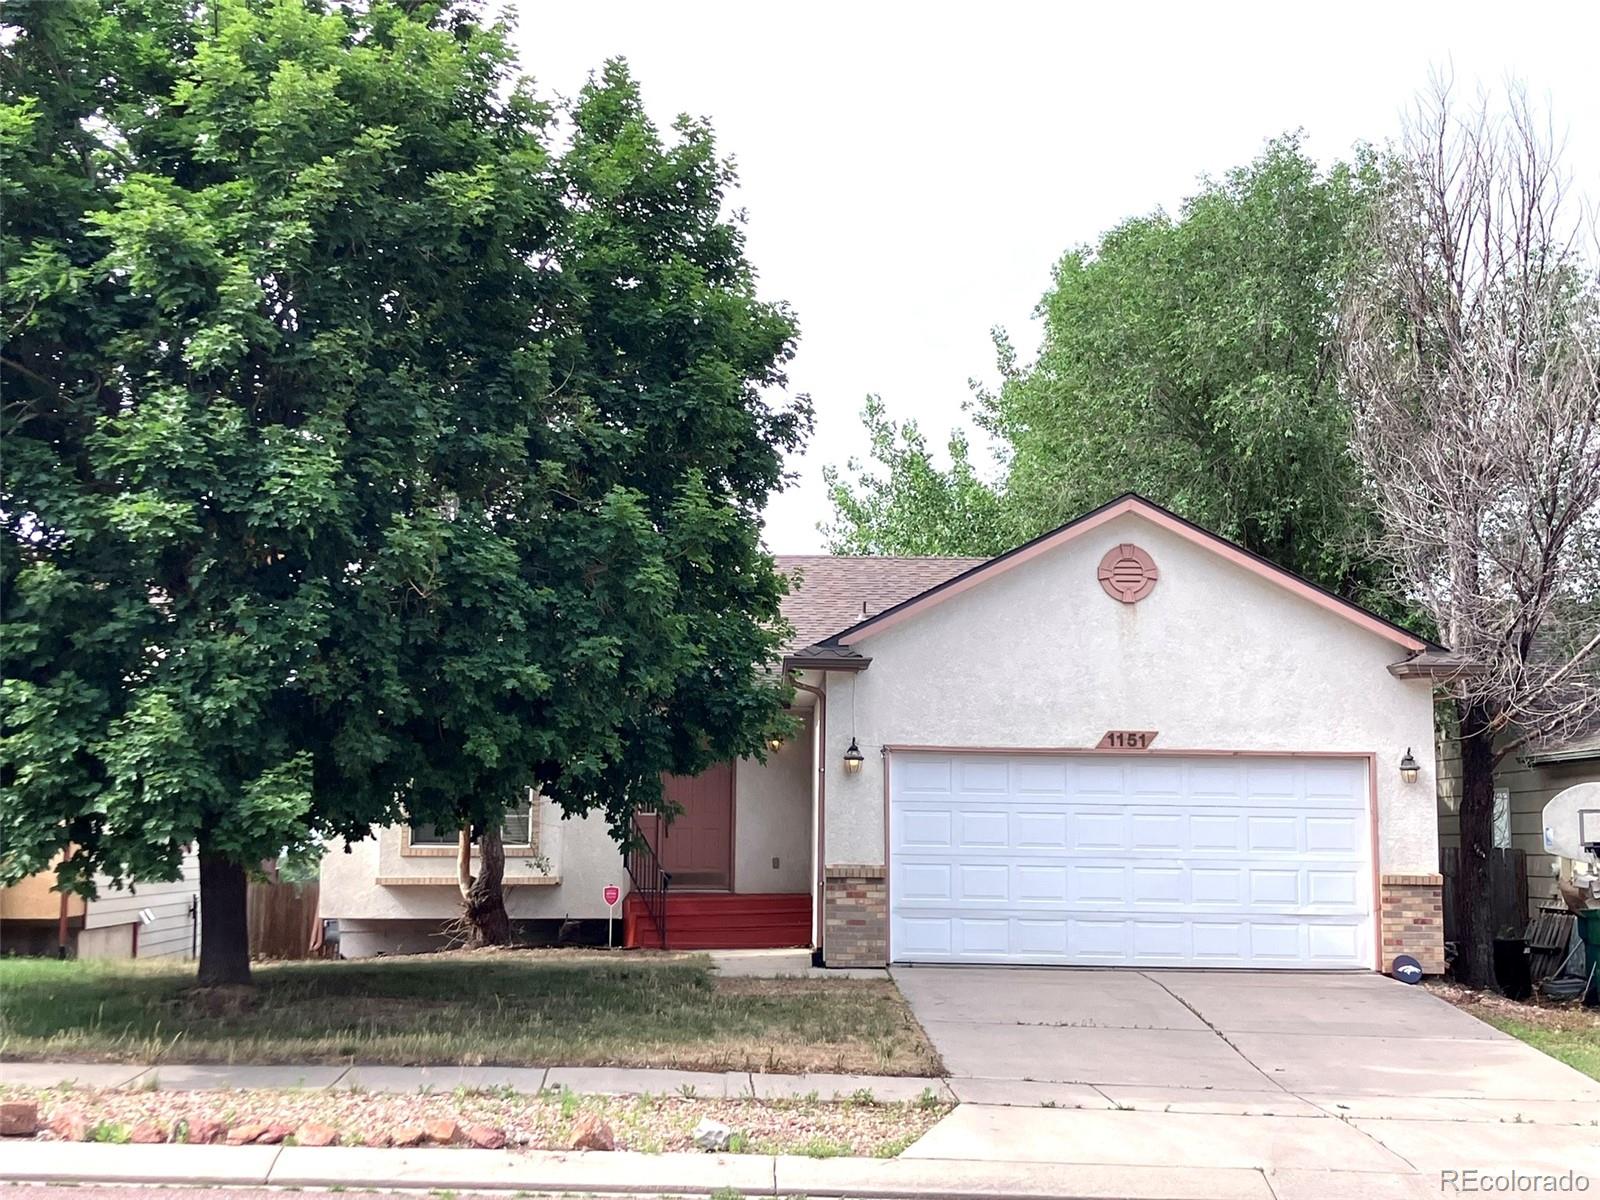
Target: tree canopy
{"type": "Point", "coordinates": [381, 439]}
{"type": "Point", "coordinates": [1189, 358]}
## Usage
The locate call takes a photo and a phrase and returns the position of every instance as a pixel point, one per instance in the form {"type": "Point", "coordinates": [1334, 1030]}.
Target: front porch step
{"type": "Point", "coordinates": [722, 921]}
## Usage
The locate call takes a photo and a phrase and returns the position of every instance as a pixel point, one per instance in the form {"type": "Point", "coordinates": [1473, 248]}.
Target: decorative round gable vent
{"type": "Point", "coordinates": [1127, 573]}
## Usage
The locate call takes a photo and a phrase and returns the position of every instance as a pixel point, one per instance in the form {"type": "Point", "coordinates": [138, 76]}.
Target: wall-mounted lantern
{"type": "Point", "coordinates": [1409, 767]}
{"type": "Point", "coordinates": [775, 743]}
{"type": "Point", "coordinates": [853, 758]}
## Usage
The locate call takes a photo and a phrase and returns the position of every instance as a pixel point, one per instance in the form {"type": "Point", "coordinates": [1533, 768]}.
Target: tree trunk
{"type": "Point", "coordinates": [1474, 963]}
{"type": "Point", "coordinates": [483, 899]}
{"type": "Point", "coordinates": [224, 922]}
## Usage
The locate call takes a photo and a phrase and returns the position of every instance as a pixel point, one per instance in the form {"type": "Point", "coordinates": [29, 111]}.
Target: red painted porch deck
{"type": "Point", "coordinates": [722, 921]}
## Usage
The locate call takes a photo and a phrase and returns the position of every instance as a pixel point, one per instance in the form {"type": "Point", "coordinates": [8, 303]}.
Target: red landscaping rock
{"type": "Point", "coordinates": [442, 1132]}
{"type": "Point", "coordinates": [407, 1135]}
{"type": "Point", "coordinates": [19, 1118]}
{"type": "Point", "coordinates": [273, 1135]}
{"type": "Point", "coordinates": [589, 1132]}
{"type": "Point", "coordinates": [203, 1133]}
{"type": "Point", "coordinates": [376, 1137]}
{"type": "Point", "coordinates": [313, 1134]}
{"type": "Point", "coordinates": [243, 1135]}
{"type": "Point", "coordinates": [146, 1134]}
{"type": "Point", "coordinates": [70, 1126]}
{"type": "Point", "coordinates": [485, 1137]}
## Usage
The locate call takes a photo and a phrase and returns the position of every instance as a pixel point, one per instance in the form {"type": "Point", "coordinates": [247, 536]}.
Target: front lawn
{"type": "Point", "coordinates": [1568, 1032]}
{"type": "Point", "coordinates": [510, 1007]}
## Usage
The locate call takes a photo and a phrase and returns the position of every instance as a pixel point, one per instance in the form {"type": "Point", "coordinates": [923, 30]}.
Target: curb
{"type": "Point", "coordinates": [616, 1173]}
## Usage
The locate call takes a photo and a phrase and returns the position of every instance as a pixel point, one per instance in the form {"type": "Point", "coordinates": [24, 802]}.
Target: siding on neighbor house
{"type": "Point", "coordinates": [170, 934]}
{"type": "Point", "coordinates": [1530, 788]}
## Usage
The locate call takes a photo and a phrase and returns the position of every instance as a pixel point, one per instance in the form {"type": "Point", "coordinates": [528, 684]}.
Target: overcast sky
{"type": "Point", "coordinates": [912, 171]}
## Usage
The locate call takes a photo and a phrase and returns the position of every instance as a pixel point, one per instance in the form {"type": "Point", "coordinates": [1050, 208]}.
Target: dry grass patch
{"type": "Point", "coordinates": [503, 1008]}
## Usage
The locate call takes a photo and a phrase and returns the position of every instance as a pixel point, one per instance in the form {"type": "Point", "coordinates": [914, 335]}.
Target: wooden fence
{"type": "Point", "coordinates": [284, 921]}
{"type": "Point", "coordinates": [1508, 890]}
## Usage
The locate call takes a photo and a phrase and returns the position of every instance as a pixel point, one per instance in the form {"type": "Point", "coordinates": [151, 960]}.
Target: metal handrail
{"type": "Point", "coordinates": [650, 880]}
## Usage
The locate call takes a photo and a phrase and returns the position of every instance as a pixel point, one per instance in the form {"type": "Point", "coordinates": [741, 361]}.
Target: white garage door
{"type": "Point", "coordinates": [1147, 861]}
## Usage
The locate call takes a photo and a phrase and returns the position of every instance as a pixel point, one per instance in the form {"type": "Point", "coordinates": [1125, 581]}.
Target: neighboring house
{"type": "Point", "coordinates": [1127, 742]}
{"type": "Point", "coordinates": [146, 920]}
{"type": "Point", "coordinates": [1524, 783]}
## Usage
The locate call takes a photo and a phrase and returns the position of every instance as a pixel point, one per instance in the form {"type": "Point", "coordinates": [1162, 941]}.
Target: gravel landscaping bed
{"type": "Point", "coordinates": [549, 1120]}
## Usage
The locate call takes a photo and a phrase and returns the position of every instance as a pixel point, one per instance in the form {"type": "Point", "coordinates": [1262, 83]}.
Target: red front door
{"type": "Point", "coordinates": [697, 846]}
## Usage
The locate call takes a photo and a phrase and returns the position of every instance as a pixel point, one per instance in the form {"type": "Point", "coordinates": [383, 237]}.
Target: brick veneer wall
{"type": "Point", "coordinates": [1413, 920]}
{"type": "Point", "coordinates": [855, 916]}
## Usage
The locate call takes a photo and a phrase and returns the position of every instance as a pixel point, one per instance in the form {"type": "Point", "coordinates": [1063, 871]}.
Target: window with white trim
{"type": "Point", "coordinates": [516, 831]}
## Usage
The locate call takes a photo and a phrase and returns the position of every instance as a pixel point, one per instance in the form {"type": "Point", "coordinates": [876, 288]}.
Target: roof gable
{"type": "Point", "coordinates": [1170, 521]}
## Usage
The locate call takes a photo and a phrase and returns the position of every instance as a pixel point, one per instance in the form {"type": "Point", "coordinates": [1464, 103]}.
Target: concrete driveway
{"type": "Point", "coordinates": [1296, 1072]}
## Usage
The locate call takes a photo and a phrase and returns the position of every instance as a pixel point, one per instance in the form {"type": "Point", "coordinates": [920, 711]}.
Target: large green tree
{"type": "Point", "coordinates": [366, 455]}
{"type": "Point", "coordinates": [1188, 357]}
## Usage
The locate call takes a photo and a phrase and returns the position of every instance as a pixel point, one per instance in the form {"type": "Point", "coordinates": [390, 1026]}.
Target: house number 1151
{"type": "Point", "coordinates": [1127, 739]}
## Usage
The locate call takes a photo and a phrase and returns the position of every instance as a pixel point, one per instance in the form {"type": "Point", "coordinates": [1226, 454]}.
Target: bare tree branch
{"type": "Point", "coordinates": [1471, 358]}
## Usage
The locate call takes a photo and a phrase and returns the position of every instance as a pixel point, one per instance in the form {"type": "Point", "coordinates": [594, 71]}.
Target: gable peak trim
{"type": "Point", "coordinates": [1131, 502]}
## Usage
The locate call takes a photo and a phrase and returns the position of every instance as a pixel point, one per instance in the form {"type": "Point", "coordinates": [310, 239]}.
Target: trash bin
{"type": "Point", "coordinates": [1589, 931]}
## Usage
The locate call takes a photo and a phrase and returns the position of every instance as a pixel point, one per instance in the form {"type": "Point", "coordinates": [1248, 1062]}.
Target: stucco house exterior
{"type": "Point", "coordinates": [1126, 742]}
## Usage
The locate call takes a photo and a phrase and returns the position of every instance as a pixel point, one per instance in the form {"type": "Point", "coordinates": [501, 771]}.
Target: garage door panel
{"type": "Point", "coordinates": [1332, 888]}
{"type": "Point", "coordinates": [1097, 830]}
{"type": "Point", "coordinates": [980, 776]}
{"type": "Point", "coordinates": [922, 882]}
{"type": "Point", "coordinates": [1032, 830]}
{"type": "Point", "coordinates": [1042, 939]}
{"type": "Point", "coordinates": [925, 828]}
{"type": "Point", "coordinates": [1281, 833]}
{"type": "Point", "coordinates": [1217, 831]}
{"type": "Point", "coordinates": [1160, 941]}
{"type": "Point", "coordinates": [985, 883]}
{"type": "Point", "coordinates": [1040, 777]}
{"type": "Point", "coordinates": [924, 775]}
{"type": "Point", "coordinates": [1041, 883]}
{"type": "Point", "coordinates": [1104, 861]}
{"type": "Point", "coordinates": [979, 830]}
{"type": "Point", "coordinates": [1160, 885]}
{"type": "Point", "coordinates": [1273, 781]}
{"type": "Point", "coordinates": [1333, 835]}
{"type": "Point", "coordinates": [1098, 778]}
{"type": "Point", "coordinates": [1156, 780]}
{"type": "Point", "coordinates": [1157, 830]}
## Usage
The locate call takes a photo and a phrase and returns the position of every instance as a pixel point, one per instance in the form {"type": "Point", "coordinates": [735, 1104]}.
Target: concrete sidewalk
{"type": "Point", "coordinates": [676, 1174]}
{"type": "Point", "coordinates": [602, 1081]}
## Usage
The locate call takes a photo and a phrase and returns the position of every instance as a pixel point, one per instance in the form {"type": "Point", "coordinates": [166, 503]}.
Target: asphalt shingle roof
{"type": "Point", "coordinates": [831, 592]}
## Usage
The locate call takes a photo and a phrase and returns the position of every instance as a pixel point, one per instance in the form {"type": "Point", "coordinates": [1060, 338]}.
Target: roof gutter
{"type": "Point", "coordinates": [1571, 754]}
{"type": "Point", "coordinates": [825, 662]}
{"type": "Point", "coordinates": [1432, 665]}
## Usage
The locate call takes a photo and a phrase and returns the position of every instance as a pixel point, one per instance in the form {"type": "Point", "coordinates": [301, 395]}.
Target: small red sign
{"type": "Point", "coordinates": [613, 894]}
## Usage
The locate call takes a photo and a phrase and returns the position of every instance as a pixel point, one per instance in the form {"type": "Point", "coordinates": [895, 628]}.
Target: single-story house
{"type": "Point", "coordinates": [1126, 742]}
{"type": "Point", "coordinates": [146, 920]}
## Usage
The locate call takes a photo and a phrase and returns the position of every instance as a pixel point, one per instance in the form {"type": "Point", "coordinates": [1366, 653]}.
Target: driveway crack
{"type": "Point", "coordinates": [1226, 1040]}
